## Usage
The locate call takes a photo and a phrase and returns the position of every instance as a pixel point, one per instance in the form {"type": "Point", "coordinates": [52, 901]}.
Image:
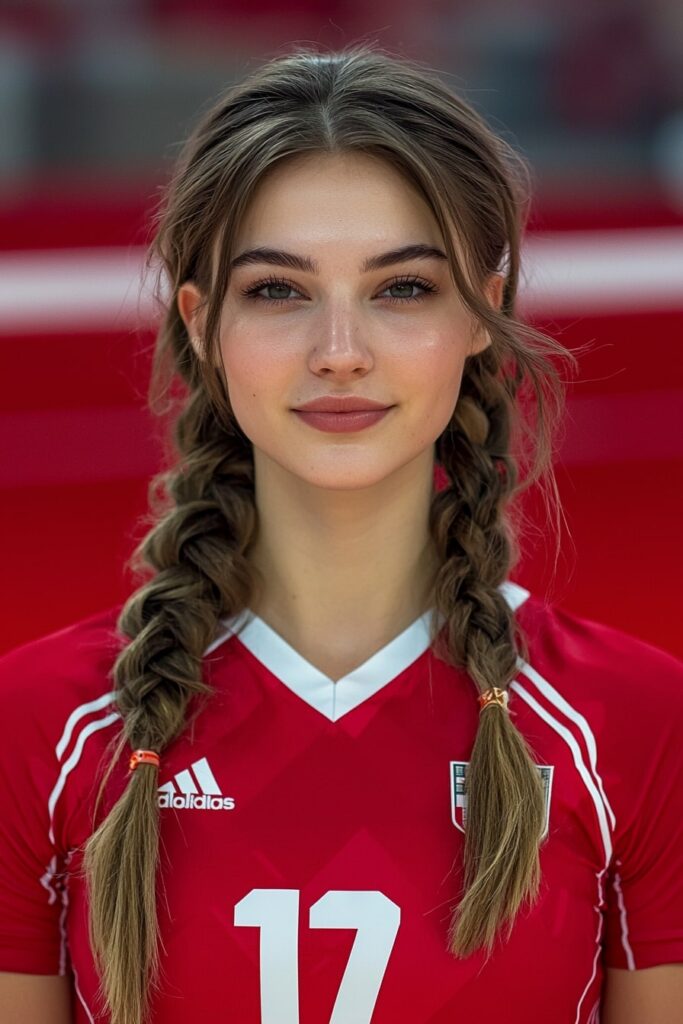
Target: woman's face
{"type": "Point", "coordinates": [398, 333]}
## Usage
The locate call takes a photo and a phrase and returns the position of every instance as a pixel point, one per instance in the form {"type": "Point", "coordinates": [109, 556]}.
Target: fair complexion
{"type": "Point", "coordinates": [343, 544]}
{"type": "Point", "coordinates": [343, 540]}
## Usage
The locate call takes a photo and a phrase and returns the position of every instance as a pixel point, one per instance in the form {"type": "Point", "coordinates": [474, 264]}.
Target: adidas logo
{"type": "Point", "coordinates": [195, 789]}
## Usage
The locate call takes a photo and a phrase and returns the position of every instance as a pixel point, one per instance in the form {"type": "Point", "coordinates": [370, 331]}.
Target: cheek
{"type": "Point", "coordinates": [434, 374]}
{"type": "Point", "coordinates": [257, 373]}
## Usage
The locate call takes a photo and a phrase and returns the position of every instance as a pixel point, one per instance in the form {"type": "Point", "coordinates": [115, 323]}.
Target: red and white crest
{"type": "Point", "coordinates": [459, 795]}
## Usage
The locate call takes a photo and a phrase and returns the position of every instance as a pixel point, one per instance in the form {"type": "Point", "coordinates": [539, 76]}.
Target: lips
{"type": "Point", "coordinates": [343, 422]}
{"type": "Point", "coordinates": [342, 404]}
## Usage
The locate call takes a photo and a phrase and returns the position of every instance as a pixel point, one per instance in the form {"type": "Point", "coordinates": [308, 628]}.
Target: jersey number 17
{"type": "Point", "coordinates": [376, 919]}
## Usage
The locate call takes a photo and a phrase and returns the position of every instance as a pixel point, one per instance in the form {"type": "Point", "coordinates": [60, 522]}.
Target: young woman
{"type": "Point", "coordinates": [329, 763]}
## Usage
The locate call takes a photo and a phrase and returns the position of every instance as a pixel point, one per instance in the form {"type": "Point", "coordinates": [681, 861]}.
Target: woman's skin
{"type": "Point", "coordinates": [35, 998]}
{"type": "Point", "coordinates": [343, 542]}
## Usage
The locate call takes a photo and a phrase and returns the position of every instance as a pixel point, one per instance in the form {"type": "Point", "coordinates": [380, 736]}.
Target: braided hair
{"type": "Point", "coordinates": [193, 563]}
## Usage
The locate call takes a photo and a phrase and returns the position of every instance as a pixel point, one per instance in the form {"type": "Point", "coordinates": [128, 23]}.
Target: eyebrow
{"type": "Point", "coordinates": [291, 260]}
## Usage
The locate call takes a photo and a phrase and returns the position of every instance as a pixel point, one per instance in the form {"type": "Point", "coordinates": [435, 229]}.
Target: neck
{"type": "Point", "coordinates": [352, 567]}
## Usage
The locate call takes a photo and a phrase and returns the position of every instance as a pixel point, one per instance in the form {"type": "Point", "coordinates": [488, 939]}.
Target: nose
{"type": "Point", "coordinates": [338, 339]}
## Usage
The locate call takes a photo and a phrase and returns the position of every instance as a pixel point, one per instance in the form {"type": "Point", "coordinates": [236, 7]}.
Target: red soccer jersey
{"type": "Point", "coordinates": [312, 831]}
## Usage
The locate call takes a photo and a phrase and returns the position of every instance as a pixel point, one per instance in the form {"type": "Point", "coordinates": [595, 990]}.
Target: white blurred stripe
{"type": "Point", "coordinates": [563, 272]}
{"type": "Point", "coordinates": [603, 271]}
{"type": "Point", "coordinates": [78, 288]}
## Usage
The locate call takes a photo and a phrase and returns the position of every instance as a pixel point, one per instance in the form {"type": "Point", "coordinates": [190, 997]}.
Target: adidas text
{"type": "Point", "coordinates": [195, 789]}
{"type": "Point", "coordinates": [197, 801]}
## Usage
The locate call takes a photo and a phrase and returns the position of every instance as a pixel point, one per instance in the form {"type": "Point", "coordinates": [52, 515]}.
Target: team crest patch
{"type": "Point", "coordinates": [459, 797]}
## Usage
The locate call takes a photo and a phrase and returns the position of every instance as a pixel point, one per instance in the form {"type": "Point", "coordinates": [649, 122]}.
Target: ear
{"type": "Point", "coordinates": [494, 289]}
{"type": "Point", "coordinates": [494, 295]}
{"type": "Point", "coordinates": [189, 299]}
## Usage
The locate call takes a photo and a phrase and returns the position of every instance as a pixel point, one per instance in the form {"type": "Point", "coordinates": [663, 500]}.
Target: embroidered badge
{"type": "Point", "coordinates": [458, 771]}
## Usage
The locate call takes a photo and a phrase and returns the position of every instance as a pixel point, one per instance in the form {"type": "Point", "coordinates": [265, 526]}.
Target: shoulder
{"type": "Point", "coordinates": [593, 658]}
{"type": "Point", "coordinates": [44, 680]}
{"type": "Point", "coordinates": [56, 692]}
{"type": "Point", "coordinates": [602, 686]}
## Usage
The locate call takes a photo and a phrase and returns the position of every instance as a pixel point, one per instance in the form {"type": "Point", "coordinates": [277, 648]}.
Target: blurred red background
{"type": "Point", "coordinates": [79, 446]}
{"type": "Point", "coordinates": [95, 100]}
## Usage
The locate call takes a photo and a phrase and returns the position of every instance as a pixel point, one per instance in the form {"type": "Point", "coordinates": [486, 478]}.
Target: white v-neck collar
{"type": "Point", "coordinates": [315, 688]}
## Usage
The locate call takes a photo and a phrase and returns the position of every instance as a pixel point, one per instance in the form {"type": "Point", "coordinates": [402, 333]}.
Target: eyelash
{"type": "Point", "coordinates": [252, 291]}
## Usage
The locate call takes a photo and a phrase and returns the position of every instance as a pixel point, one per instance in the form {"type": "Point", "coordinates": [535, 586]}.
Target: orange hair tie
{"type": "Point", "coordinates": [143, 757]}
{"type": "Point", "coordinates": [493, 696]}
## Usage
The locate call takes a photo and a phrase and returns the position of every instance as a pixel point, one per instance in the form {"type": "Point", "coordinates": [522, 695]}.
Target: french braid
{"type": "Point", "coordinates": [204, 517]}
{"type": "Point", "coordinates": [504, 793]}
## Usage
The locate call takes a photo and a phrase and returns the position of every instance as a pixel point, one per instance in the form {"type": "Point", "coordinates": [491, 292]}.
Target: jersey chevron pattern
{"type": "Point", "coordinates": [312, 831]}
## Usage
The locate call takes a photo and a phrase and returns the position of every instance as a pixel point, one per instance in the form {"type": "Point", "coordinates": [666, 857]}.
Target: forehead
{"type": "Point", "coordinates": [335, 201]}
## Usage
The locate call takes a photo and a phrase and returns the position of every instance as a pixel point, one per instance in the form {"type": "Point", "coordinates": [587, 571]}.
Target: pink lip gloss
{"type": "Point", "coordinates": [342, 422]}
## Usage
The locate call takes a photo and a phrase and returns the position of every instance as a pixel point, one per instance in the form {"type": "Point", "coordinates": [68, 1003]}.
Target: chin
{"type": "Point", "coordinates": [344, 478]}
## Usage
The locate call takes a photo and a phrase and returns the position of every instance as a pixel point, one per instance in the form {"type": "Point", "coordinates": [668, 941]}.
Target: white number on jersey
{"type": "Point", "coordinates": [376, 919]}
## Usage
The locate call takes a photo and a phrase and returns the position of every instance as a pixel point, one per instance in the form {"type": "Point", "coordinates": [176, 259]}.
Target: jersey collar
{"type": "Point", "coordinates": [329, 698]}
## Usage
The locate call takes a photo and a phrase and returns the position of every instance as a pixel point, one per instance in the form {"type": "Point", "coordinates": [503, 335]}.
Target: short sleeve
{"type": "Point", "coordinates": [644, 885]}
{"type": "Point", "coordinates": [32, 897]}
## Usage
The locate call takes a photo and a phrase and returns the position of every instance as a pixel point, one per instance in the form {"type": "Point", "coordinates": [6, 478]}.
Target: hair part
{"type": "Point", "coordinates": [193, 562]}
